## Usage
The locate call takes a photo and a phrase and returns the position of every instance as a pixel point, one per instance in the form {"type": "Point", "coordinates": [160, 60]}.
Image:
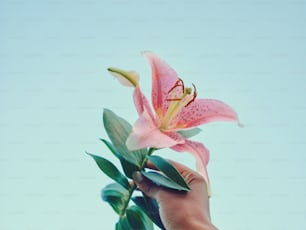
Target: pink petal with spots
{"type": "Point", "coordinates": [146, 134]}
{"type": "Point", "coordinates": [201, 154]}
{"type": "Point", "coordinates": [141, 102]}
{"type": "Point", "coordinates": [202, 111]}
{"type": "Point", "coordinates": [180, 139]}
{"type": "Point", "coordinates": [163, 79]}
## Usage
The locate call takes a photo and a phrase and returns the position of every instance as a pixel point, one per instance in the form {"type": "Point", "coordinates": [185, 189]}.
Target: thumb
{"type": "Point", "coordinates": [146, 186]}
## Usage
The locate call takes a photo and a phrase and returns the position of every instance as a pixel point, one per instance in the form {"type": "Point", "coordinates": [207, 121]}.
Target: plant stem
{"type": "Point", "coordinates": [132, 189]}
{"type": "Point", "coordinates": [151, 150]}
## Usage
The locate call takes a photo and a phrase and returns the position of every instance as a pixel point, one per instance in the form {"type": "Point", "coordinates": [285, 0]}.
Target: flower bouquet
{"type": "Point", "coordinates": [169, 123]}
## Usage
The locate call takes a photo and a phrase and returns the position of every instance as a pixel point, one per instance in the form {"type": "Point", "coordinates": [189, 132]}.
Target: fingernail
{"type": "Point", "coordinates": [137, 176]}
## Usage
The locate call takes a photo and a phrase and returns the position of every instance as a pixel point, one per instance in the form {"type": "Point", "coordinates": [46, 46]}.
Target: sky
{"type": "Point", "coordinates": [54, 86]}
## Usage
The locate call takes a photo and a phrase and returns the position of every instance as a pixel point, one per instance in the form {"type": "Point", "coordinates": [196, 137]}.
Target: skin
{"type": "Point", "coordinates": [180, 211]}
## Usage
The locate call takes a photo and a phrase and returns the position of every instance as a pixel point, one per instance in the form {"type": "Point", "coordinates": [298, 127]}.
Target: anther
{"type": "Point", "coordinates": [194, 95]}
{"type": "Point", "coordinates": [178, 83]}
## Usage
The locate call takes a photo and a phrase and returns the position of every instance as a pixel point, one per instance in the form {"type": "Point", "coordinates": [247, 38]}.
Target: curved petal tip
{"type": "Point", "coordinates": [126, 78]}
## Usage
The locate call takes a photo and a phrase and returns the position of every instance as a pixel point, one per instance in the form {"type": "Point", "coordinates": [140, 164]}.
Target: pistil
{"type": "Point", "coordinates": [177, 103]}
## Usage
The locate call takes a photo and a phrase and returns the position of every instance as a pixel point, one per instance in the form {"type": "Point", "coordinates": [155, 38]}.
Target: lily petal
{"type": "Point", "coordinates": [203, 111]}
{"type": "Point", "coordinates": [201, 153]}
{"type": "Point", "coordinates": [163, 79]}
{"type": "Point", "coordinates": [146, 134]}
{"type": "Point", "coordinates": [141, 102]}
{"type": "Point", "coordinates": [126, 78]}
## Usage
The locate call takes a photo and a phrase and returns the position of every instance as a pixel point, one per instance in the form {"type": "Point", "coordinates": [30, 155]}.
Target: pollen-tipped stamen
{"type": "Point", "coordinates": [178, 83]}
{"type": "Point", "coordinates": [178, 103]}
{"type": "Point", "coordinates": [195, 93]}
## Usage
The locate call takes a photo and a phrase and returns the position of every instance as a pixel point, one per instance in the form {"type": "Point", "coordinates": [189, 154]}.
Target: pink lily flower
{"type": "Point", "coordinates": [175, 108]}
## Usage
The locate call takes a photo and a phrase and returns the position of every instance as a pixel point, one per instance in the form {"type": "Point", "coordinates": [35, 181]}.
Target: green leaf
{"type": "Point", "coordinates": [123, 224]}
{"type": "Point", "coordinates": [150, 207]}
{"type": "Point", "coordinates": [190, 132]}
{"type": "Point", "coordinates": [118, 131]}
{"type": "Point", "coordinates": [169, 170]}
{"type": "Point", "coordinates": [116, 196]}
{"type": "Point", "coordinates": [110, 170]}
{"type": "Point", "coordinates": [117, 226]}
{"type": "Point", "coordinates": [127, 167]}
{"type": "Point", "coordinates": [111, 147]}
{"type": "Point", "coordinates": [115, 190]}
{"type": "Point", "coordinates": [137, 219]}
{"type": "Point", "coordinates": [161, 180]}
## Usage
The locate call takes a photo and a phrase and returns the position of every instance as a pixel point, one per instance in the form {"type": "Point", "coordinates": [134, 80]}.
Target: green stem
{"type": "Point", "coordinates": [132, 189]}
{"type": "Point", "coordinates": [151, 150]}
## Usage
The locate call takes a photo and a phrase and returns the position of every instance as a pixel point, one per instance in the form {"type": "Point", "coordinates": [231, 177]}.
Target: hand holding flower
{"type": "Point", "coordinates": [180, 211]}
{"type": "Point", "coordinates": [176, 198]}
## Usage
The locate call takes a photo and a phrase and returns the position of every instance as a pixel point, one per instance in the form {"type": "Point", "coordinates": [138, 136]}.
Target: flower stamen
{"type": "Point", "coordinates": [178, 83]}
{"type": "Point", "coordinates": [195, 93]}
{"type": "Point", "coordinates": [174, 99]}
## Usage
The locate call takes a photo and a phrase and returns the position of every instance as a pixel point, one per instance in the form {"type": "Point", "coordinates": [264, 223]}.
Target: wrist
{"type": "Point", "coordinates": [197, 225]}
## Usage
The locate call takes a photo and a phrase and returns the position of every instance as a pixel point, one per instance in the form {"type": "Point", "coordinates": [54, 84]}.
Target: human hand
{"type": "Point", "coordinates": [180, 211]}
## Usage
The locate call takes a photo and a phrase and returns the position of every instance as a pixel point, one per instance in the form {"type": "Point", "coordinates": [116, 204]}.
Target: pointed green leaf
{"type": "Point", "coordinates": [137, 219]}
{"type": "Point", "coordinates": [117, 226]}
{"type": "Point", "coordinates": [169, 170]}
{"type": "Point", "coordinates": [111, 147]}
{"type": "Point", "coordinates": [116, 196]}
{"type": "Point", "coordinates": [161, 180]}
{"type": "Point", "coordinates": [115, 190]}
{"type": "Point", "coordinates": [118, 131]}
{"type": "Point", "coordinates": [190, 132]}
{"type": "Point", "coordinates": [110, 170]}
{"type": "Point", "coordinates": [150, 207]}
{"type": "Point", "coordinates": [127, 167]}
{"type": "Point", "coordinates": [123, 224]}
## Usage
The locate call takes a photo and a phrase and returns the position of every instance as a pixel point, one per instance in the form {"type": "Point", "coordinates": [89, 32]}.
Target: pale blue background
{"type": "Point", "coordinates": [54, 86]}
